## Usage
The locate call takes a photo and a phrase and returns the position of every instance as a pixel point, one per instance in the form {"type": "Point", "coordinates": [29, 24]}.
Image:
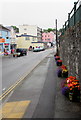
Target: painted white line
{"type": "Point", "coordinates": [3, 89]}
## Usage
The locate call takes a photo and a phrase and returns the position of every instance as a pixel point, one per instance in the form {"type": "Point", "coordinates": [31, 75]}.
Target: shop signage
{"type": "Point", "coordinates": [2, 40]}
{"type": "Point", "coordinates": [6, 43]}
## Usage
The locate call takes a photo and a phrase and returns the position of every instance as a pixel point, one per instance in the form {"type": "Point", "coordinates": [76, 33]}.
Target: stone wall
{"type": "Point", "coordinates": [70, 50]}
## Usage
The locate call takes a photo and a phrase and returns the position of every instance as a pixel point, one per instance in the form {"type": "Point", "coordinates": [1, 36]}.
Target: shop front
{"type": "Point", "coordinates": [7, 47]}
{"type": "Point", "coordinates": [2, 40]}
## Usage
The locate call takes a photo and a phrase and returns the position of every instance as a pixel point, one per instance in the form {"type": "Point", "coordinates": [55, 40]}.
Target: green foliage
{"type": "Point", "coordinates": [49, 30]}
{"type": "Point", "coordinates": [60, 30]}
{"type": "Point", "coordinates": [16, 29]}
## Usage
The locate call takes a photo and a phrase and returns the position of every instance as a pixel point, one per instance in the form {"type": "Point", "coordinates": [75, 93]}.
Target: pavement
{"type": "Point", "coordinates": [39, 96]}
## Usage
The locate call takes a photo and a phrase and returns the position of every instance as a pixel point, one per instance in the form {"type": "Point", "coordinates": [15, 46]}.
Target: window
{"type": "Point", "coordinates": [6, 34]}
{"type": "Point", "coordinates": [25, 29]}
{"type": "Point", "coordinates": [33, 39]}
{"type": "Point", "coordinates": [0, 33]}
{"type": "Point", "coordinates": [25, 33]}
{"type": "Point", "coordinates": [27, 38]}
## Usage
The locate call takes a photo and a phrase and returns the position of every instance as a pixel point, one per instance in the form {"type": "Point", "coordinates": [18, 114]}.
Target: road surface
{"type": "Point", "coordinates": [14, 68]}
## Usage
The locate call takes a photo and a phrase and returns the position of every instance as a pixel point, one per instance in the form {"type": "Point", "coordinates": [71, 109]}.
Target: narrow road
{"type": "Point", "coordinates": [14, 68]}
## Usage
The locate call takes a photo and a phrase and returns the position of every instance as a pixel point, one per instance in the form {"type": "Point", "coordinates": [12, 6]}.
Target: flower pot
{"type": "Point", "coordinates": [59, 62]}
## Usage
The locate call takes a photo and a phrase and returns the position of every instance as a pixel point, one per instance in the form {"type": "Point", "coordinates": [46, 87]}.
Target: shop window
{"type": "Point", "coordinates": [0, 48]}
{"type": "Point", "coordinates": [7, 47]}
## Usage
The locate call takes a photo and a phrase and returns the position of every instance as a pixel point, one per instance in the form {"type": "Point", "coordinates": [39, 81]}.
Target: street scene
{"type": "Point", "coordinates": [40, 66]}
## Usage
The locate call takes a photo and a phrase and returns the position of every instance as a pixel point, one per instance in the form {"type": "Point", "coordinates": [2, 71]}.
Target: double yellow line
{"type": "Point", "coordinates": [21, 79]}
{"type": "Point", "coordinates": [11, 88]}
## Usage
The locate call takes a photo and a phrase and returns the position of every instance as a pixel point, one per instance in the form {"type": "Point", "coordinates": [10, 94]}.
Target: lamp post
{"type": "Point", "coordinates": [56, 39]}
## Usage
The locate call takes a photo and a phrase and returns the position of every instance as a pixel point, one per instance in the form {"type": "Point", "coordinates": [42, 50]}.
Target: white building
{"type": "Point", "coordinates": [31, 30]}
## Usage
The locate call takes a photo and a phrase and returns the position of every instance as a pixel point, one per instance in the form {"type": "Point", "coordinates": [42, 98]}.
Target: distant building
{"type": "Point", "coordinates": [4, 39]}
{"type": "Point", "coordinates": [48, 37]}
{"type": "Point", "coordinates": [31, 30]}
{"type": "Point", "coordinates": [39, 34]}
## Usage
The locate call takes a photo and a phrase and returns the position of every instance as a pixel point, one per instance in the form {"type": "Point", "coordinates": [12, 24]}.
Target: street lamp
{"type": "Point", "coordinates": [56, 38]}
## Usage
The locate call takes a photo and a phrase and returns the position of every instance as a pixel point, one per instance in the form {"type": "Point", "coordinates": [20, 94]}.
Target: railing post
{"type": "Point", "coordinates": [68, 20]}
{"type": "Point", "coordinates": [75, 12]}
{"type": "Point", "coordinates": [63, 29]}
{"type": "Point", "coordinates": [65, 26]}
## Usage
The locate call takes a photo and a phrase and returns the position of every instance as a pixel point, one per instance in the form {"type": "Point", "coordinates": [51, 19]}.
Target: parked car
{"type": "Point", "coordinates": [42, 48]}
{"type": "Point", "coordinates": [22, 51]}
{"type": "Point", "coordinates": [38, 49]}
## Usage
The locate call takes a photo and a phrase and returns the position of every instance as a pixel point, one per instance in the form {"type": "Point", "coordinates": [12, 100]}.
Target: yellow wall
{"type": "Point", "coordinates": [22, 43]}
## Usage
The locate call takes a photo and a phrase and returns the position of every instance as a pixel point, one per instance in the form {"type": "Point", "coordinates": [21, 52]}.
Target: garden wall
{"type": "Point", "coordinates": [70, 50]}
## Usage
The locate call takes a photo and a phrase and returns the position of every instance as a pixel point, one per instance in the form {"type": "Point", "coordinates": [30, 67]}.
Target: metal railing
{"type": "Point", "coordinates": [73, 17]}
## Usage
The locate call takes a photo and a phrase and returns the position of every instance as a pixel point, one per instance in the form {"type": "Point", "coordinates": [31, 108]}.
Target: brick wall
{"type": "Point", "coordinates": [70, 50]}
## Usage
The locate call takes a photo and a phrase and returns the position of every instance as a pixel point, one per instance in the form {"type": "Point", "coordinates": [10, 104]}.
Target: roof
{"type": "Point", "coordinates": [37, 42]}
{"type": "Point", "coordinates": [25, 35]}
{"type": "Point", "coordinates": [5, 28]}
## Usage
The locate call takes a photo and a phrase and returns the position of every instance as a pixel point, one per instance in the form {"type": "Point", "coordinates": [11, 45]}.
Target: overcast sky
{"type": "Point", "coordinates": [35, 12]}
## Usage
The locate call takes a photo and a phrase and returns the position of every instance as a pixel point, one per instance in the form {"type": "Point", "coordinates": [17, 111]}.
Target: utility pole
{"type": "Point", "coordinates": [56, 38]}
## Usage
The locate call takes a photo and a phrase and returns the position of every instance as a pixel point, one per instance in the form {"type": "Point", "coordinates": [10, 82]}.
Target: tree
{"type": "Point", "coordinates": [49, 30]}
{"type": "Point", "coordinates": [60, 30]}
{"type": "Point", "coordinates": [16, 29]}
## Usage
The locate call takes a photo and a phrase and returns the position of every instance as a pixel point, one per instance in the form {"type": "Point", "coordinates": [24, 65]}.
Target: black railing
{"type": "Point", "coordinates": [73, 17]}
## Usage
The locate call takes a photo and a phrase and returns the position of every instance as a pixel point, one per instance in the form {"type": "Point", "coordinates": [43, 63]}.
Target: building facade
{"type": "Point", "coordinates": [31, 30]}
{"type": "Point", "coordinates": [4, 39]}
{"type": "Point", "coordinates": [48, 37]}
{"type": "Point", "coordinates": [39, 34]}
{"type": "Point", "coordinates": [25, 41]}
